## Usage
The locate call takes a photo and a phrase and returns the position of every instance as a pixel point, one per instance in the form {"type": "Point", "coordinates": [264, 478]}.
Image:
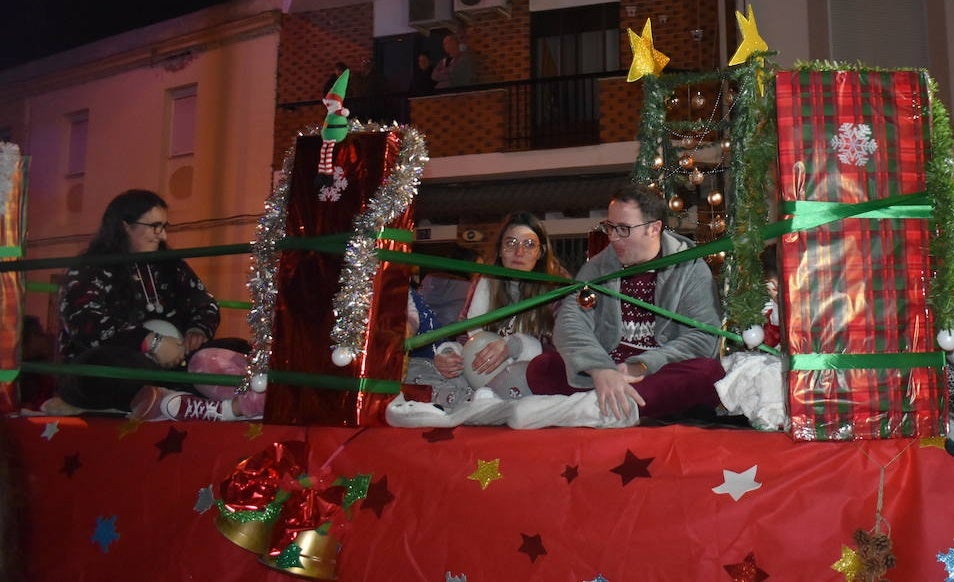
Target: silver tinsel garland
{"type": "Point", "coordinates": [353, 300]}
{"type": "Point", "coordinates": [9, 162]}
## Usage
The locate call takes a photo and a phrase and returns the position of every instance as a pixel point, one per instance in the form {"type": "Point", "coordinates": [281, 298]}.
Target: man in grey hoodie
{"type": "Point", "coordinates": [626, 353]}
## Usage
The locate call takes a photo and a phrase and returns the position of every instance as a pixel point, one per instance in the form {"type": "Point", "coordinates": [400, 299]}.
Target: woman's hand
{"type": "Point", "coordinates": [493, 354]}
{"type": "Point", "coordinates": [194, 339]}
{"type": "Point", "coordinates": [449, 363]}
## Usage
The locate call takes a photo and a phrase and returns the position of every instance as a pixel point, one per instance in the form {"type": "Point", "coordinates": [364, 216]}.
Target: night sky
{"type": "Point", "coordinates": [30, 29]}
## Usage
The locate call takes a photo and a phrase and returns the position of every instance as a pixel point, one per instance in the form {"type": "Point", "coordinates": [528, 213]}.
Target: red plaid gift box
{"type": "Point", "coordinates": [858, 286]}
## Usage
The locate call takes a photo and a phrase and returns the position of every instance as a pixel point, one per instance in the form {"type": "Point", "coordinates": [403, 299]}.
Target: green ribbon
{"type": "Point", "coordinates": [9, 375]}
{"type": "Point", "coordinates": [881, 361]}
{"type": "Point", "coordinates": [11, 252]}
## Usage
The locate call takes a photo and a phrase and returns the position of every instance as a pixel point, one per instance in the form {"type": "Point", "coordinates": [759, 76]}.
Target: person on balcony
{"type": "Point", "coordinates": [150, 315]}
{"type": "Point", "coordinates": [422, 81]}
{"type": "Point", "coordinates": [627, 354]}
{"type": "Point", "coordinates": [457, 69]}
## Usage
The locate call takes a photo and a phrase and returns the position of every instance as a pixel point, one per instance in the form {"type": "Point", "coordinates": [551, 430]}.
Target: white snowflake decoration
{"type": "Point", "coordinates": [333, 192]}
{"type": "Point", "coordinates": [854, 144]}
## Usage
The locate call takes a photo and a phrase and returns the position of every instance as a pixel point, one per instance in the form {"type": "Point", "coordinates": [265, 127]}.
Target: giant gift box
{"type": "Point", "coordinates": [11, 282]}
{"type": "Point", "coordinates": [307, 282]}
{"type": "Point", "coordinates": [858, 285]}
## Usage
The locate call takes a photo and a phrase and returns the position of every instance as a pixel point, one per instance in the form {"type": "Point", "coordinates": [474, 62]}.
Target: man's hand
{"type": "Point", "coordinates": [614, 390]}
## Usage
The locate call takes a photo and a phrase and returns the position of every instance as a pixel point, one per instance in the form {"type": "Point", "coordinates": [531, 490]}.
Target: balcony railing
{"type": "Point", "coordinates": [537, 113]}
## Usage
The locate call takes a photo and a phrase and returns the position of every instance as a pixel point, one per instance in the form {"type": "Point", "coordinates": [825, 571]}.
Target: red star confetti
{"type": "Point", "coordinates": [70, 464]}
{"type": "Point", "coordinates": [50, 429]}
{"type": "Point", "coordinates": [254, 431]}
{"type": "Point", "coordinates": [532, 546]}
{"type": "Point", "coordinates": [439, 434]}
{"type": "Point", "coordinates": [849, 564]}
{"type": "Point", "coordinates": [633, 467]}
{"type": "Point", "coordinates": [570, 473]}
{"type": "Point", "coordinates": [378, 496]}
{"type": "Point", "coordinates": [105, 533]}
{"type": "Point", "coordinates": [486, 472]}
{"type": "Point", "coordinates": [746, 570]}
{"type": "Point", "coordinates": [172, 443]}
{"type": "Point", "coordinates": [738, 484]}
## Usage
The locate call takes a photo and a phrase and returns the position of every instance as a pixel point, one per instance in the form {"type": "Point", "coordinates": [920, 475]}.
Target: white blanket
{"type": "Point", "coordinates": [753, 386]}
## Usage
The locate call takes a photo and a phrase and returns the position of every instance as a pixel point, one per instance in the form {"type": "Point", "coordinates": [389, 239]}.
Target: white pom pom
{"type": "Point", "coordinates": [342, 356]}
{"type": "Point", "coordinates": [945, 339]}
{"type": "Point", "coordinates": [259, 382]}
{"type": "Point", "coordinates": [343, 112]}
{"type": "Point", "coordinates": [753, 336]}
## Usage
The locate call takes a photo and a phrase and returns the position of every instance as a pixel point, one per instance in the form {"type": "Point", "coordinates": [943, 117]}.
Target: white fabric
{"type": "Point", "coordinates": [753, 386]}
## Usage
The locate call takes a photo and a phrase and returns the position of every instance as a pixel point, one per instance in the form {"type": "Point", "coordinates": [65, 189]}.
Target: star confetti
{"type": "Point", "coordinates": [355, 488]}
{"type": "Point", "coordinates": [599, 578]}
{"type": "Point", "coordinates": [378, 496]}
{"type": "Point", "coordinates": [738, 484]}
{"type": "Point", "coordinates": [172, 443]}
{"type": "Point", "coordinates": [448, 577]}
{"type": "Point", "coordinates": [932, 442]}
{"type": "Point", "coordinates": [105, 532]}
{"type": "Point", "coordinates": [70, 464]}
{"type": "Point", "coordinates": [204, 500]}
{"type": "Point", "coordinates": [289, 558]}
{"type": "Point", "coordinates": [646, 59]}
{"type": "Point", "coordinates": [849, 564]}
{"type": "Point", "coordinates": [746, 570]}
{"type": "Point", "coordinates": [127, 428]}
{"type": "Point", "coordinates": [50, 429]}
{"type": "Point", "coordinates": [532, 546]}
{"type": "Point", "coordinates": [439, 434]}
{"type": "Point", "coordinates": [751, 40]}
{"type": "Point", "coordinates": [633, 467]}
{"type": "Point", "coordinates": [570, 473]}
{"type": "Point", "coordinates": [948, 560]}
{"type": "Point", "coordinates": [486, 472]}
{"type": "Point", "coordinates": [254, 431]}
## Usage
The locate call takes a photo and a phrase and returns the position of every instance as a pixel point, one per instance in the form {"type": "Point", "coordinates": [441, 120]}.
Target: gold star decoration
{"type": "Point", "coordinates": [932, 442]}
{"type": "Point", "coordinates": [254, 430]}
{"type": "Point", "coordinates": [486, 472]}
{"type": "Point", "coordinates": [751, 41]}
{"type": "Point", "coordinates": [849, 565]}
{"type": "Point", "coordinates": [128, 427]}
{"type": "Point", "coordinates": [646, 59]}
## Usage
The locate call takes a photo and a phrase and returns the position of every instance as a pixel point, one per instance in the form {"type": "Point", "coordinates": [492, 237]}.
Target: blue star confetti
{"type": "Point", "coordinates": [204, 500]}
{"type": "Point", "coordinates": [948, 560]}
{"type": "Point", "coordinates": [599, 578]}
{"type": "Point", "coordinates": [105, 532]}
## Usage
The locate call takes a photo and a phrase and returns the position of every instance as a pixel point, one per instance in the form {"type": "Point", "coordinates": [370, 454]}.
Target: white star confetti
{"type": "Point", "coordinates": [738, 484]}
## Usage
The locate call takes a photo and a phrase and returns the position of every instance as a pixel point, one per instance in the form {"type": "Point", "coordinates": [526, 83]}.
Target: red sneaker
{"type": "Point", "coordinates": [183, 406]}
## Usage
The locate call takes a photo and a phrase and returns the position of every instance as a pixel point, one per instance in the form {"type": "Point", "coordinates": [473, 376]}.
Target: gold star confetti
{"type": "Point", "coordinates": [751, 41]}
{"type": "Point", "coordinates": [849, 564]}
{"type": "Point", "coordinates": [254, 431]}
{"type": "Point", "coordinates": [486, 472]}
{"type": "Point", "coordinates": [646, 59]}
{"type": "Point", "coordinates": [932, 442]}
{"type": "Point", "coordinates": [128, 427]}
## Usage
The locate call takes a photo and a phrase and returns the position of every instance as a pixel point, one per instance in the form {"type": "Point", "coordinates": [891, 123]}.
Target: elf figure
{"type": "Point", "coordinates": [334, 129]}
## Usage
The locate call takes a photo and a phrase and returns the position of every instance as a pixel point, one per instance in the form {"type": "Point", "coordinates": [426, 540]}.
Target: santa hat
{"type": "Point", "coordinates": [337, 91]}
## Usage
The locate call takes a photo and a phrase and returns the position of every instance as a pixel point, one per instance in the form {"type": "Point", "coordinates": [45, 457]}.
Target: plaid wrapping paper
{"type": "Point", "coordinates": [858, 286]}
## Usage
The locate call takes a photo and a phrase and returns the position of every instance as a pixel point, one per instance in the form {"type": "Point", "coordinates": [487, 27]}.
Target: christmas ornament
{"type": "Point", "coordinates": [726, 144]}
{"type": "Point", "coordinates": [751, 41]}
{"type": "Point", "coordinates": [753, 336]}
{"type": "Point", "coordinates": [334, 128]}
{"type": "Point", "coordinates": [945, 339]}
{"type": "Point", "coordinates": [658, 162]}
{"type": "Point", "coordinates": [259, 382]}
{"type": "Point", "coordinates": [676, 204]}
{"type": "Point", "coordinates": [342, 356]}
{"type": "Point", "coordinates": [687, 162]}
{"type": "Point", "coordinates": [718, 225]}
{"type": "Point", "coordinates": [688, 142]}
{"type": "Point", "coordinates": [698, 100]}
{"type": "Point", "coordinates": [646, 59]}
{"type": "Point", "coordinates": [874, 551]}
{"type": "Point", "coordinates": [586, 299]}
{"type": "Point", "coordinates": [714, 198]}
{"type": "Point", "coordinates": [696, 177]}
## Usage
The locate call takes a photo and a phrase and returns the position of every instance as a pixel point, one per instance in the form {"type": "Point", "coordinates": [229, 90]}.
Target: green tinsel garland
{"type": "Point", "coordinates": [940, 185]}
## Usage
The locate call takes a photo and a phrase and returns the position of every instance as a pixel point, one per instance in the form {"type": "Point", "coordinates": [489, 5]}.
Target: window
{"type": "Point", "coordinates": [76, 155]}
{"type": "Point", "coordinates": [182, 121]}
{"type": "Point", "coordinates": [574, 41]}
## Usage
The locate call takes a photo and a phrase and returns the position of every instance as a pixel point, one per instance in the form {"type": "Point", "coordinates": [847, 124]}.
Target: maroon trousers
{"type": "Point", "coordinates": [673, 389]}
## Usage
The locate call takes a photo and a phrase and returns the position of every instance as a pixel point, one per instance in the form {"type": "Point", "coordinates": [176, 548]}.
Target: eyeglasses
{"type": "Point", "coordinates": [621, 230]}
{"type": "Point", "coordinates": [510, 244]}
{"type": "Point", "coordinates": [157, 227]}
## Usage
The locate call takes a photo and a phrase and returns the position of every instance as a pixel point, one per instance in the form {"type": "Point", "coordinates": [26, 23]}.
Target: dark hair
{"type": "Point", "coordinates": [650, 203]}
{"type": "Point", "coordinates": [539, 320]}
{"type": "Point", "coordinates": [123, 209]}
{"type": "Point", "coordinates": [340, 65]}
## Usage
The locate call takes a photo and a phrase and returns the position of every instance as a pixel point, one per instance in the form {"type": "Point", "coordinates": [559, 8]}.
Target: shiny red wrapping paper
{"type": "Point", "coordinates": [307, 282]}
{"type": "Point", "coordinates": [11, 291]}
{"type": "Point", "coordinates": [858, 286]}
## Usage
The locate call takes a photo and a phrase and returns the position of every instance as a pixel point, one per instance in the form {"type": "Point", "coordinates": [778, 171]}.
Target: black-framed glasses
{"type": "Point", "coordinates": [157, 227]}
{"type": "Point", "coordinates": [510, 244]}
{"type": "Point", "coordinates": [621, 230]}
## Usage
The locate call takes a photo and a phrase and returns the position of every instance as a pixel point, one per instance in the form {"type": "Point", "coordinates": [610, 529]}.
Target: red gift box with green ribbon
{"type": "Point", "coordinates": [853, 150]}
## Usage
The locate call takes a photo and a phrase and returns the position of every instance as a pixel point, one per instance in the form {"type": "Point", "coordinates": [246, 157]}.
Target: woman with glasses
{"type": "Point", "coordinates": [149, 314]}
{"type": "Point", "coordinates": [522, 245]}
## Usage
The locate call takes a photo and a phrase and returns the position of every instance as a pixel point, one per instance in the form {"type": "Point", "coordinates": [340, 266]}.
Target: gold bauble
{"type": "Point", "coordinates": [688, 142]}
{"type": "Point", "coordinates": [658, 162]}
{"type": "Point", "coordinates": [698, 100]}
{"type": "Point", "coordinates": [696, 177]}
{"type": "Point", "coordinates": [714, 198]}
{"type": "Point", "coordinates": [687, 162]}
{"type": "Point", "coordinates": [717, 225]}
{"type": "Point", "coordinates": [676, 204]}
{"type": "Point", "coordinates": [726, 145]}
